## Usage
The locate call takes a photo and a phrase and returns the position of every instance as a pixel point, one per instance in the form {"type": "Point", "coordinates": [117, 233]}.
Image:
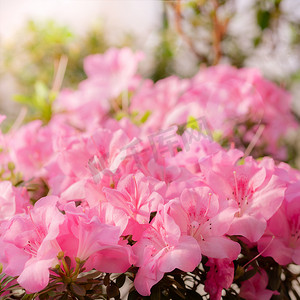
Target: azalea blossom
{"type": "Point", "coordinates": [257, 194]}
{"type": "Point", "coordinates": [219, 277]}
{"type": "Point", "coordinates": [282, 237]}
{"type": "Point", "coordinates": [85, 236]}
{"type": "Point", "coordinates": [30, 245]}
{"type": "Point", "coordinates": [198, 214]}
{"type": "Point", "coordinates": [138, 196]}
{"type": "Point", "coordinates": [255, 288]}
{"type": "Point", "coordinates": [161, 249]}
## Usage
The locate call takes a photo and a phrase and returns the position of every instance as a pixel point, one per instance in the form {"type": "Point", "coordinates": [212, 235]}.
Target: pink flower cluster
{"type": "Point", "coordinates": [138, 191]}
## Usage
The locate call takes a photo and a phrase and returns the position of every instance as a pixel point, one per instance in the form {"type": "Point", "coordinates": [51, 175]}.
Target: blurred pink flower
{"type": "Point", "coordinates": [219, 277]}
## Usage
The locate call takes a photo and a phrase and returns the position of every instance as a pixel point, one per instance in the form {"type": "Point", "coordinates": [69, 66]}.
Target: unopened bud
{"type": "Point", "coordinates": [11, 166]}
{"type": "Point", "coordinates": [77, 259]}
{"type": "Point", "coordinates": [60, 255]}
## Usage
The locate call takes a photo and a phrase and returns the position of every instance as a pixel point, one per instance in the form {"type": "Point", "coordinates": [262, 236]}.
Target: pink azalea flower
{"type": "Point", "coordinates": [198, 214]}
{"type": "Point", "coordinates": [219, 277]}
{"type": "Point", "coordinates": [255, 288]}
{"type": "Point", "coordinates": [282, 238]}
{"type": "Point", "coordinates": [30, 244]}
{"type": "Point", "coordinates": [109, 75]}
{"type": "Point", "coordinates": [12, 200]}
{"type": "Point", "coordinates": [31, 148]}
{"type": "Point", "coordinates": [257, 194]}
{"type": "Point", "coordinates": [161, 249]}
{"type": "Point", "coordinates": [138, 196]}
{"type": "Point", "coordinates": [113, 70]}
{"type": "Point", "coordinates": [84, 108]}
{"type": "Point", "coordinates": [151, 95]}
{"type": "Point", "coordinates": [87, 237]}
{"type": "Point", "coordinates": [96, 161]}
{"type": "Point", "coordinates": [195, 145]}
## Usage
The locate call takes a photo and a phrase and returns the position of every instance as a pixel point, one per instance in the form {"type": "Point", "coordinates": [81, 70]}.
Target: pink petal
{"type": "Point", "coordinates": [220, 247]}
{"type": "Point", "coordinates": [248, 226]}
{"type": "Point", "coordinates": [268, 199]}
{"type": "Point", "coordinates": [114, 259]}
{"type": "Point", "coordinates": [276, 249]}
{"type": "Point", "coordinates": [185, 256]}
{"type": "Point", "coordinates": [35, 276]}
{"type": "Point", "coordinates": [146, 277]}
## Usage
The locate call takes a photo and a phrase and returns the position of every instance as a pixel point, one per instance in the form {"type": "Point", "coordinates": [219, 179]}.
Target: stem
{"type": "Point", "coordinates": [187, 39]}
{"type": "Point", "coordinates": [217, 33]}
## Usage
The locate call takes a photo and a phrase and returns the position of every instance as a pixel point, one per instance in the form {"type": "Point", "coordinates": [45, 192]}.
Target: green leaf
{"type": "Point", "coordinates": [90, 275]}
{"type": "Point", "coordinates": [44, 296]}
{"type": "Point", "coordinates": [192, 123]}
{"type": "Point", "coordinates": [63, 297]}
{"type": "Point", "coordinates": [155, 292]}
{"type": "Point", "coordinates": [145, 117]}
{"type": "Point", "coordinates": [77, 289]}
{"type": "Point", "coordinates": [193, 295]}
{"type": "Point", "coordinates": [113, 291]}
{"type": "Point", "coordinates": [274, 277]}
{"type": "Point", "coordinates": [176, 293]}
{"type": "Point", "coordinates": [22, 99]}
{"type": "Point", "coordinates": [263, 18]}
{"type": "Point", "coordinates": [120, 280]}
{"type": "Point", "coordinates": [239, 272]}
{"type": "Point", "coordinates": [7, 280]}
{"type": "Point", "coordinates": [134, 295]}
{"type": "Point", "coordinates": [106, 279]}
{"type": "Point", "coordinates": [41, 94]}
{"type": "Point", "coordinates": [257, 41]}
{"type": "Point", "coordinates": [247, 275]}
{"type": "Point", "coordinates": [68, 261]}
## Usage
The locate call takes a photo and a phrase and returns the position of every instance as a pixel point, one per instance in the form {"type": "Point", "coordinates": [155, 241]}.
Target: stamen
{"type": "Point", "coordinates": [135, 188]}
{"type": "Point", "coordinates": [209, 200]}
{"type": "Point", "coordinates": [236, 188]}
{"type": "Point", "coordinates": [259, 254]}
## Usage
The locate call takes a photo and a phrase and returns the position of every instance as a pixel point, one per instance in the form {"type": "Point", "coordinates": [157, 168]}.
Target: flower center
{"type": "Point", "coordinates": [198, 219]}
{"type": "Point", "coordinates": [241, 193]}
{"type": "Point", "coordinates": [38, 235]}
{"type": "Point", "coordinates": [295, 230]}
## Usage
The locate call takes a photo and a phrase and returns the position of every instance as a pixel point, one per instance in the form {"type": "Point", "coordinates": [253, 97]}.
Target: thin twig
{"type": "Point", "coordinates": [254, 140]}
{"type": "Point", "coordinates": [18, 122]}
{"type": "Point", "coordinates": [60, 73]}
{"type": "Point", "coordinates": [187, 39]}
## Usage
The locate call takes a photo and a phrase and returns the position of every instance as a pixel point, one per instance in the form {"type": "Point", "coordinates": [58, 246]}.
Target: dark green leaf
{"type": "Point", "coordinates": [247, 275]}
{"type": "Point", "coordinates": [274, 278]}
{"type": "Point", "coordinates": [263, 18]}
{"type": "Point", "coordinates": [90, 275]}
{"type": "Point", "coordinates": [155, 292]}
{"type": "Point", "coordinates": [106, 279]}
{"type": "Point", "coordinates": [44, 296]}
{"type": "Point", "coordinates": [256, 41]}
{"type": "Point", "coordinates": [63, 297]}
{"type": "Point", "coordinates": [77, 289]}
{"type": "Point", "coordinates": [113, 291]}
{"type": "Point", "coordinates": [239, 272]}
{"type": "Point", "coordinates": [121, 280]}
{"type": "Point", "coordinates": [179, 282]}
{"type": "Point", "coordinates": [68, 261]}
{"type": "Point", "coordinates": [175, 293]}
{"type": "Point", "coordinates": [134, 295]}
{"type": "Point", "coordinates": [193, 295]}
